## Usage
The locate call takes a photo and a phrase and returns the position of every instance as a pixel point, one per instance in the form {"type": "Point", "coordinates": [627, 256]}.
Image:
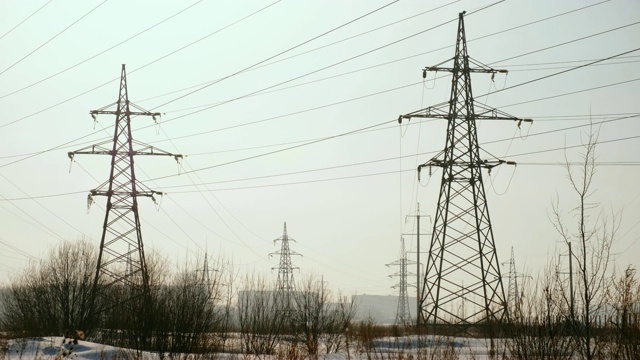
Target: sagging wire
{"type": "Point", "coordinates": [493, 84]}
{"type": "Point", "coordinates": [504, 85]}
{"type": "Point", "coordinates": [508, 184]}
{"type": "Point", "coordinates": [428, 179]}
{"type": "Point", "coordinates": [491, 178]}
{"type": "Point", "coordinates": [520, 130]}
{"type": "Point", "coordinates": [424, 81]}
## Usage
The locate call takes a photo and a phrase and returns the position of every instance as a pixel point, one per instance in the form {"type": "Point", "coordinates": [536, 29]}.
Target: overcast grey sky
{"type": "Point", "coordinates": [344, 199]}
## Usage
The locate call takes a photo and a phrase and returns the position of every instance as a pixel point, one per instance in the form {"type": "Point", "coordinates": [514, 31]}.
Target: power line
{"type": "Point", "coordinates": [102, 52]}
{"type": "Point", "coordinates": [569, 42]}
{"type": "Point", "coordinates": [564, 62]}
{"type": "Point", "coordinates": [391, 172]}
{"type": "Point", "coordinates": [603, 163]}
{"type": "Point", "coordinates": [53, 37]}
{"type": "Point", "coordinates": [325, 67]}
{"type": "Point", "coordinates": [383, 123]}
{"type": "Point", "coordinates": [90, 90]}
{"type": "Point", "coordinates": [278, 54]}
{"type": "Point", "coordinates": [16, 250]}
{"type": "Point", "coordinates": [412, 155]}
{"type": "Point", "coordinates": [412, 84]}
{"type": "Point", "coordinates": [397, 88]}
{"type": "Point", "coordinates": [27, 18]}
{"type": "Point", "coordinates": [573, 92]}
{"type": "Point", "coordinates": [232, 100]}
{"type": "Point", "coordinates": [39, 204]}
{"type": "Point", "coordinates": [282, 150]}
{"type": "Point", "coordinates": [554, 74]}
{"type": "Point", "coordinates": [139, 68]}
{"type": "Point", "coordinates": [564, 71]}
{"type": "Point", "coordinates": [42, 226]}
{"type": "Point", "coordinates": [30, 155]}
{"type": "Point", "coordinates": [507, 88]}
{"type": "Point", "coordinates": [405, 58]}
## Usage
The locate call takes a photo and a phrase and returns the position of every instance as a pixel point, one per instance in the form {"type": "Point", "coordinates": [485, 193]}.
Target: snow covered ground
{"type": "Point", "coordinates": [410, 347]}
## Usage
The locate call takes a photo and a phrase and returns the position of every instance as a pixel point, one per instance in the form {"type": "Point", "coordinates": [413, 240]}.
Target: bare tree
{"type": "Point", "coordinates": [625, 299]}
{"type": "Point", "coordinates": [260, 317]}
{"type": "Point", "coordinates": [340, 317]}
{"type": "Point", "coordinates": [593, 234]}
{"type": "Point", "coordinates": [309, 314]}
{"type": "Point", "coordinates": [538, 328]}
{"type": "Point", "coordinates": [185, 309]}
{"type": "Point", "coordinates": [52, 295]}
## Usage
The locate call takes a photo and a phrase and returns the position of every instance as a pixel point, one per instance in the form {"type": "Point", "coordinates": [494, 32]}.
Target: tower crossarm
{"type": "Point", "coordinates": [486, 164]}
{"type": "Point", "coordinates": [147, 193]}
{"type": "Point", "coordinates": [102, 149]}
{"type": "Point", "coordinates": [134, 113]}
{"type": "Point", "coordinates": [441, 111]}
{"type": "Point", "coordinates": [127, 112]}
{"type": "Point", "coordinates": [484, 70]}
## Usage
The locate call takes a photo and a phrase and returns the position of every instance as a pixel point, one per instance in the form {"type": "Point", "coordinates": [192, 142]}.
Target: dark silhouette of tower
{"type": "Point", "coordinates": [285, 285]}
{"type": "Point", "coordinates": [115, 285]}
{"type": "Point", "coordinates": [403, 314]}
{"type": "Point", "coordinates": [462, 283]}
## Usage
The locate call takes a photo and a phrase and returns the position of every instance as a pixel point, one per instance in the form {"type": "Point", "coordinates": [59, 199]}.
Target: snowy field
{"type": "Point", "coordinates": [386, 348]}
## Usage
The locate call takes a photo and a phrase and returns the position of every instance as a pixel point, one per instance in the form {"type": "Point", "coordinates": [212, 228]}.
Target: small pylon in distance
{"type": "Point", "coordinates": [285, 284]}
{"type": "Point", "coordinates": [403, 314]}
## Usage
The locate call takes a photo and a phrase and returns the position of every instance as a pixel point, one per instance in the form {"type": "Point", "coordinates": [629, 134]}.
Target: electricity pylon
{"type": "Point", "coordinates": [121, 239]}
{"type": "Point", "coordinates": [462, 283]}
{"type": "Point", "coordinates": [513, 301]}
{"type": "Point", "coordinates": [403, 314]}
{"type": "Point", "coordinates": [285, 285]}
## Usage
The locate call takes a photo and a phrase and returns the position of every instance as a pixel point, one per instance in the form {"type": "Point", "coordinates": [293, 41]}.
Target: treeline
{"type": "Point", "coordinates": [192, 313]}
{"type": "Point", "coordinates": [189, 310]}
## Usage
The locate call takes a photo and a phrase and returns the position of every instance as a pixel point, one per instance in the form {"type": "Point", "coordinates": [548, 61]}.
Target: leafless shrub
{"type": "Point", "coordinates": [186, 312]}
{"type": "Point", "coordinates": [339, 319]}
{"type": "Point", "coordinates": [260, 317]}
{"type": "Point", "coordinates": [539, 328]}
{"type": "Point", "coordinates": [52, 295]}
{"type": "Point", "coordinates": [625, 299]}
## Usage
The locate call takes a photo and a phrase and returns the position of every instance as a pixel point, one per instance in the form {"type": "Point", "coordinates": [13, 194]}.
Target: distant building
{"type": "Point", "coordinates": [380, 308]}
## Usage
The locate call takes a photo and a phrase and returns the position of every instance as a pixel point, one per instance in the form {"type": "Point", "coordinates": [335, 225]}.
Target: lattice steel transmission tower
{"type": "Point", "coordinates": [403, 314]}
{"type": "Point", "coordinates": [285, 285]}
{"type": "Point", "coordinates": [462, 283]}
{"type": "Point", "coordinates": [513, 301]}
{"type": "Point", "coordinates": [121, 240]}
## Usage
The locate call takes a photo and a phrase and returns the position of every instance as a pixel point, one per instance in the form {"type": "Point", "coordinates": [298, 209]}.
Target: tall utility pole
{"type": "Point", "coordinates": [418, 264]}
{"type": "Point", "coordinates": [570, 273]}
{"type": "Point", "coordinates": [285, 285]}
{"type": "Point", "coordinates": [462, 248]}
{"type": "Point", "coordinates": [121, 239]}
{"type": "Point", "coordinates": [571, 282]}
{"type": "Point", "coordinates": [403, 314]}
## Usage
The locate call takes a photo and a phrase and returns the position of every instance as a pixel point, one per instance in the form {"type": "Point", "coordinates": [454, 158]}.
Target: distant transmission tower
{"type": "Point", "coordinates": [403, 314]}
{"type": "Point", "coordinates": [285, 285]}
{"type": "Point", "coordinates": [512, 294]}
{"type": "Point", "coordinates": [121, 240]}
{"type": "Point", "coordinates": [462, 283]}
